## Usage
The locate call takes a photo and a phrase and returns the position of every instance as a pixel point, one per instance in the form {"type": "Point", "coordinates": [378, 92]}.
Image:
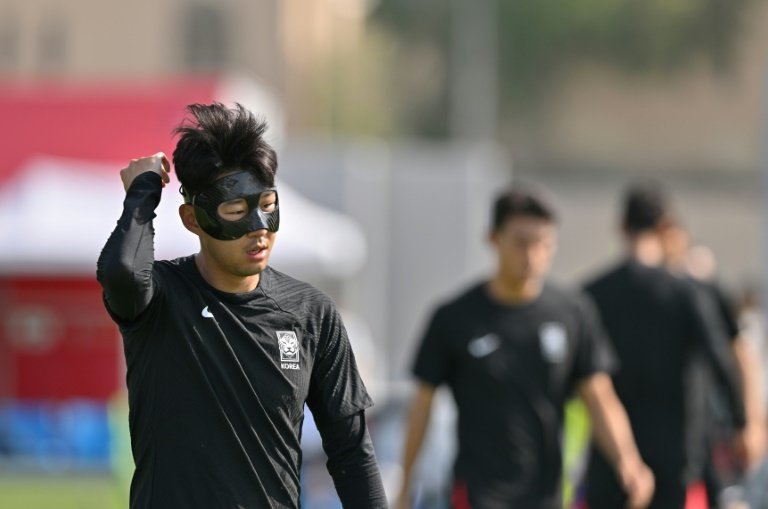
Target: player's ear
{"type": "Point", "coordinates": [555, 232]}
{"type": "Point", "coordinates": [187, 215]}
{"type": "Point", "coordinates": [493, 236]}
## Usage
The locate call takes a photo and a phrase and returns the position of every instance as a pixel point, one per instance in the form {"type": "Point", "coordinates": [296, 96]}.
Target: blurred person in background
{"type": "Point", "coordinates": [222, 350]}
{"type": "Point", "coordinates": [698, 262]}
{"type": "Point", "coordinates": [657, 323]}
{"type": "Point", "coordinates": [753, 326]}
{"type": "Point", "coordinates": [513, 349]}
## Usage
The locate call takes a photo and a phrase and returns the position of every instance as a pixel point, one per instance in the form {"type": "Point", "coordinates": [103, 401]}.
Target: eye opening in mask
{"type": "Point", "coordinates": [237, 209]}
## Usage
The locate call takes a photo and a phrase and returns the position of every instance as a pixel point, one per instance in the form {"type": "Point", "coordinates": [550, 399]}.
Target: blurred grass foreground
{"type": "Point", "coordinates": [72, 455]}
{"type": "Point", "coordinates": [60, 491]}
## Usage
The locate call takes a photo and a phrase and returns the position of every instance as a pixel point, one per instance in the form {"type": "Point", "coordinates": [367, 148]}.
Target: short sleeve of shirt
{"type": "Point", "coordinates": [704, 315]}
{"type": "Point", "coordinates": [727, 310]}
{"type": "Point", "coordinates": [433, 358]}
{"type": "Point", "coordinates": [336, 388]}
{"type": "Point", "coordinates": [594, 353]}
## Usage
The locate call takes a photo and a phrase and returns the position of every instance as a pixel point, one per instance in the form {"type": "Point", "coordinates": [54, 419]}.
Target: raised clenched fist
{"type": "Point", "coordinates": [157, 163]}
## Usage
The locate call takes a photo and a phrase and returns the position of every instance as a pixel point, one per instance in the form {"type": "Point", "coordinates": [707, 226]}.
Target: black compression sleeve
{"type": "Point", "coordinates": [352, 463]}
{"type": "Point", "coordinates": [124, 268]}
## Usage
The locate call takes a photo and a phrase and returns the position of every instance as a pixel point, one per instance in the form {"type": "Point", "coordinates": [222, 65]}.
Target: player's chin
{"type": "Point", "coordinates": [255, 267]}
{"type": "Point", "coordinates": [248, 270]}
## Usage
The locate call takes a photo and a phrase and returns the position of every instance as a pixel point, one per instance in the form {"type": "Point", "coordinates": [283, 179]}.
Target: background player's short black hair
{"type": "Point", "coordinates": [215, 139]}
{"type": "Point", "coordinates": [521, 201]}
{"type": "Point", "coordinates": [646, 207]}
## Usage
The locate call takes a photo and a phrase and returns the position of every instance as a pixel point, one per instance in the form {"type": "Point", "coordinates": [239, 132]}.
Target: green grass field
{"type": "Point", "coordinates": [60, 492]}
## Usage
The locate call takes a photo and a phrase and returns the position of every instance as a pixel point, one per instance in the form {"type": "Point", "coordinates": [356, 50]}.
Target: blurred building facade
{"type": "Point", "coordinates": [698, 118]}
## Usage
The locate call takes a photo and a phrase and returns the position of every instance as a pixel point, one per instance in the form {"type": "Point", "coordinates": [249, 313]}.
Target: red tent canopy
{"type": "Point", "coordinates": [108, 122]}
{"type": "Point", "coordinates": [56, 341]}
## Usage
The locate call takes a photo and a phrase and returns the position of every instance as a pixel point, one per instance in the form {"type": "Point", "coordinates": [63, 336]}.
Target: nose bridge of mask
{"type": "Point", "coordinates": [255, 217]}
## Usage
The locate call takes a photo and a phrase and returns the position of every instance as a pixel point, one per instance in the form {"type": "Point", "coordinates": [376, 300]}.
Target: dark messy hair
{"type": "Point", "coordinates": [646, 207]}
{"type": "Point", "coordinates": [521, 201]}
{"type": "Point", "coordinates": [214, 139]}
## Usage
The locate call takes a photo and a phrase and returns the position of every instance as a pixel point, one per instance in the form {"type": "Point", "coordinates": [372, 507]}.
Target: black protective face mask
{"type": "Point", "coordinates": [242, 185]}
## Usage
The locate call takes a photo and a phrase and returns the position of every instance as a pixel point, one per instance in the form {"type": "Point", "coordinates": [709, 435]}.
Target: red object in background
{"type": "Point", "coordinates": [57, 341]}
{"type": "Point", "coordinates": [696, 497]}
{"type": "Point", "coordinates": [97, 122]}
{"type": "Point", "coordinates": [460, 495]}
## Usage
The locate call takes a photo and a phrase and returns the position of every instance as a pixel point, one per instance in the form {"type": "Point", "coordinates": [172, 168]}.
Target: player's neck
{"type": "Point", "coordinates": [514, 291]}
{"type": "Point", "coordinates": [222, 280]}
{"type": "Point", "coordinates": [646, 249]}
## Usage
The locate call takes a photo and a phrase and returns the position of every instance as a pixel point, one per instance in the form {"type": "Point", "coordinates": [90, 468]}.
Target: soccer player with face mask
{"type": "Point", "coordinates": [222, 350]}
{"type": "Point", "coordinates": [512, 349]}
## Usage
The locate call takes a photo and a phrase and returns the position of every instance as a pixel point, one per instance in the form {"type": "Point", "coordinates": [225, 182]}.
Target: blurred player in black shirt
{"type": "Point", "coordinates": [698, 263]}
{"type": "Point", "coordinates": [512, 349]}
{"type": "Point", "coordinates": [658, 324]}
{"type": "Point", "coordinates": [222, 350]}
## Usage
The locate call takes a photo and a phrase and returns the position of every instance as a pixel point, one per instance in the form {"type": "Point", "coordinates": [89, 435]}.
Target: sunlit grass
{"type": "Point", "coordinates": [60, 492]}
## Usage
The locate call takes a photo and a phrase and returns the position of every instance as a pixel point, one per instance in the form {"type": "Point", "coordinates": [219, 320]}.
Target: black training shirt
{"type": "Point", "coordinates": [217, 382]}
{"type": "Point", "coordinates": [510, 369]}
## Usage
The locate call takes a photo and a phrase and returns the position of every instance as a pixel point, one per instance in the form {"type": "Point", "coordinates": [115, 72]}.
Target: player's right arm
{"type": "Point", "coordinates": [124, 268]}
{"type": "Point", "coordinates": [416, 426]}
{"type": "Point", "coordinates": [612, 432]}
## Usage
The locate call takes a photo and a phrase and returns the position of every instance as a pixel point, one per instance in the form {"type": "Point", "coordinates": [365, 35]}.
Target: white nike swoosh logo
{"type": "Point", "coordinates": [206, 313]}
{"type": "Point", "coordinates": [484, 345]}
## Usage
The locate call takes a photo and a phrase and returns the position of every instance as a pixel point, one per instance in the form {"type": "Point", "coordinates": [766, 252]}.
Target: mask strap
{"type": "Point", "coordinates": [187, 197]}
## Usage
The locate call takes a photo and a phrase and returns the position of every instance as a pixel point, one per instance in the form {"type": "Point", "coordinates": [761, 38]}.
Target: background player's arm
{"type": "Point", "coordinates": [751, 443]}
{"type": "Point", "coordinates": [124, 268]}
{"type": "Point", "coordinates": [613, 434]}
{"type": "Point", "coordinates": [418, 420]}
